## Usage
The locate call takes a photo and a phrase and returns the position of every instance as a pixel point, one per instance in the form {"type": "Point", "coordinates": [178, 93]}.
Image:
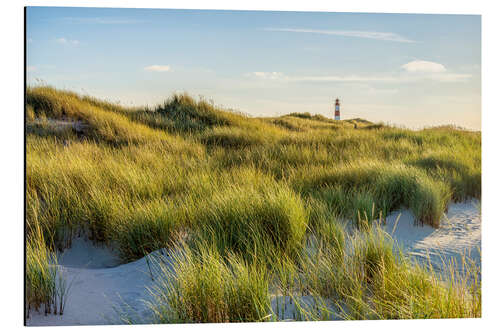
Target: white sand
{"type": "Point", "coordinates": [99, 286]}
{"type": "Point", "coordinates": [459, 233]}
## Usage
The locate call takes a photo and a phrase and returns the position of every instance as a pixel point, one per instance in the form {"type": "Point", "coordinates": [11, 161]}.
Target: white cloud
{"type": "Point", "coordinates": [158, 68]}
{"type": "Point", "coordinates": [267, 75]}
{"type": "Point", "coordinates": [450, 77]}
{"type": "Point", "coordinates": [434, 71]}
{"type": "Point", "coordinates": [63, 40]}
{"type": "Point", "coordinates": [278, 76]}
{"type": "Point", "coordinates": [394, 78]}
{"type": "Point", "coordinates": [377, 91]}
{"type": "Point", "coordinates": [421, 66]}
{"type": "Point", "coordinates": [349, 78]}
{"type": "Point", "coordinates": [31, 68]}
{"type": "Point", "coordinates": [387, 36]}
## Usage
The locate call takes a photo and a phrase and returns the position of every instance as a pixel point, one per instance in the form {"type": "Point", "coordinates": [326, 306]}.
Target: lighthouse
{"type": "Point", "coordinates": [337, 109]}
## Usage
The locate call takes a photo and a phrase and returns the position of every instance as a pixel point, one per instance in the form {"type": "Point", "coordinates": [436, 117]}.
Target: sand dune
{"type": "Point", "coordinates": [100, 288]}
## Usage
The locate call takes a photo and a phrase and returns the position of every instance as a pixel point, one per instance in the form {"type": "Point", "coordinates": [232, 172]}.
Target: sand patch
{"type": "Point", "coordinates": [459, 234]}
{"type": "Point", "coordinates": [100, 290]}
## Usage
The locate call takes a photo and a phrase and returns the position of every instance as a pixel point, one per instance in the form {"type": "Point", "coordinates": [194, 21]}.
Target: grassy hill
{"type": "Point", "coordinates": [254, 189]}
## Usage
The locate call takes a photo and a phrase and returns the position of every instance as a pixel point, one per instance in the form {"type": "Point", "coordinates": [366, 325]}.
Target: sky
{"type": "Point", "coordinates": [411, 70]}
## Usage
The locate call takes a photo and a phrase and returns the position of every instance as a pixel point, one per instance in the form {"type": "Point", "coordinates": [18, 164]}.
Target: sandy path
{"type": "Point", "coordinates": [99, 285]}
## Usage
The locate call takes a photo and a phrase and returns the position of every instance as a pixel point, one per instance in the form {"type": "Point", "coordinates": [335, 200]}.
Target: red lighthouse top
{"type": "Point", "coordinates": [337, 109]}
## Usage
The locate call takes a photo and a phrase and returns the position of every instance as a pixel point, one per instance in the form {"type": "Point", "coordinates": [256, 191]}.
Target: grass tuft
{"type": "Point", "coordinates": [206, 288]}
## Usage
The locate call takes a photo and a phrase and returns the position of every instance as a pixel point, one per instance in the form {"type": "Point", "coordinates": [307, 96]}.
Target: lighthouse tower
{"type": "Point", "coordinates": [337, 109]}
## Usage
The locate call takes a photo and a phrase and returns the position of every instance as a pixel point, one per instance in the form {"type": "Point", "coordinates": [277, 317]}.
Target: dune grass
{"type": "Point", "coordinates": [369, 279]}
{"type": "Point", "coordinates": [252, 222]}
{"type": "Point", "coordinates": [389, 186]}
{"type": "Point", "coordinates": [375, 281]}
{"type": "Point", "coordinates": [46, 287]}
{"type": "Point", "coordinates": [255, 189]}
{"type": "Point", "coordinates": [204, 287]}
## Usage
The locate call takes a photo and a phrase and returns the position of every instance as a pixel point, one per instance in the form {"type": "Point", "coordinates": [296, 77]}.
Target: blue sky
{"type": "Point", "coordinates": [405, 69]}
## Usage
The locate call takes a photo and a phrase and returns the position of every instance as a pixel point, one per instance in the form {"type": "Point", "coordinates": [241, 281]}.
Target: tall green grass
{"type": "Point", "coordinates": [252, 222]}
{"type": "Point", "coordinates": [208, 288]}
{"type": "Point", "coordinates": [371, 279]}
{"type": "Point", "coordinates": [388, 186]}
{"type": "Point", "coordinates": [255, 189]}
{"type": "Point", "coordinates": [365, 278]}
{"type": "Point", "coordinates": [46, 287]}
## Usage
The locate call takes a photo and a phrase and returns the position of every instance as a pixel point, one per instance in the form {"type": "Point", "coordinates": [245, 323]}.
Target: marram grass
{"type": "Point", "coordinates": [46, 287]}
{"type": "Point", "coordinates": [204, 287]}
{"type": "Point", "coordinates": [266, 194]}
